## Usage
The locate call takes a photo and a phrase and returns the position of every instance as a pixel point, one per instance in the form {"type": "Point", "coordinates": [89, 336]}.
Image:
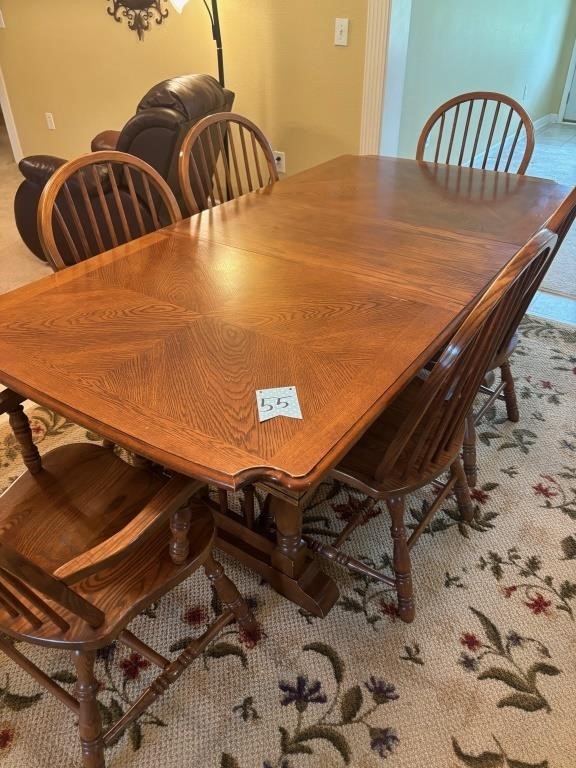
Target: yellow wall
{"type": "Point", "coordinates": [69, 57]}
{"type": "Point", "coordinates": [501, 45]}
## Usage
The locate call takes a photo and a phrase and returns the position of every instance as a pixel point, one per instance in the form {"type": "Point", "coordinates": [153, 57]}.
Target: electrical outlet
{"type": "Point", "coordinates": [50, 121]}
{"type": "Point", "coordinates": [280, 160]}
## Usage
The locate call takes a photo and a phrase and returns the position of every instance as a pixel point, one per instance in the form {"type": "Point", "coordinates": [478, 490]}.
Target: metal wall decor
{"type": "Point", "coordinates": [138, 13]}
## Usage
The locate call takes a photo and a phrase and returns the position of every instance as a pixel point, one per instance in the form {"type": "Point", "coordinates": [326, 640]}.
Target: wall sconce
{"type": "Point", "coordinates": [138, 13]}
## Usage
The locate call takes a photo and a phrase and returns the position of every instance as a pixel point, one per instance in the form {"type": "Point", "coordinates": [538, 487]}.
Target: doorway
{"type": "Point", "coordinates": [9, 141]}
{"type": "Point", "coordinates": [568, 104]}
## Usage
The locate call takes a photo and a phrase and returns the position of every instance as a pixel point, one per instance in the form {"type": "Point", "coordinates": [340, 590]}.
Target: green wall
{"type": "Point", "coordinates": [487, 45]}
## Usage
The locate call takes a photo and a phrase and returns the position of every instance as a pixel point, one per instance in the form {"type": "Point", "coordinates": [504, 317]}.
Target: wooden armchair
{"type": "Point", "coordinates": [420, 435]}
{"type": "Point", "coordinates": [131, 535]}
{"type": "Point", "coordinates": [223, 157]}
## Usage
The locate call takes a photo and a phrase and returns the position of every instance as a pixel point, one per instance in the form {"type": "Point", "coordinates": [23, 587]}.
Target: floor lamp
{"type": "Point", "coordinates": [215, 21]}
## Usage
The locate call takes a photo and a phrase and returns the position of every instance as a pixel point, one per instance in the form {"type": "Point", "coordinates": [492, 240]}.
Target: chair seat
{"type": "Point", "coordinates": [84, 491]}
{"type": "Point", "coordinates": [83, 496]}
{"type": "Point", "coordinates": [359, 466]}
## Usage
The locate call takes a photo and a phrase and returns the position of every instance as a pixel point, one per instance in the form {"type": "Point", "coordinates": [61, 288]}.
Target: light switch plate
{"type": "Point", "coordinates": [341, 32]}
{"type": "Point", "coordinates": [2, 24]}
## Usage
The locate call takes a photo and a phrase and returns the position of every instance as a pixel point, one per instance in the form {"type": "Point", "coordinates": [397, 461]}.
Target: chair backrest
{"type": "Point", "coordinates": [561, 221]}
{"type": "Point", "coordinates": [449, 390]}
{"type": "Point", "coordinates": [222, 157]}
{"type": "Point", "coordinates": [99, 201]}
{"type": "Point", "coordinates": [164, 116]}
{"type": "Point", "coordinates": [481, 130]}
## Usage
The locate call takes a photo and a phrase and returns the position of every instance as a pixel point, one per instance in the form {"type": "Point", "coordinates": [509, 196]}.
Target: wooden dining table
{"type": "Point", "coordinates": [341, 281]}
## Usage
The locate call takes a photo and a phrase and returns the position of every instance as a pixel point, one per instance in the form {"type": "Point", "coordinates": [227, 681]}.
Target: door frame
{"type": "Point", "coordinates": [568, 85]}
{"type": "Point", "coordinates": [377, 30]}
{"type": "Point", "coordinates": [9, 120]}
{"type": "Point", "coordinates": [384, 75]}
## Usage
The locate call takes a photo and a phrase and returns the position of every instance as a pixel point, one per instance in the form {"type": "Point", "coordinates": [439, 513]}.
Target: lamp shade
{"type": "Point", "coordinates": [179, 4]}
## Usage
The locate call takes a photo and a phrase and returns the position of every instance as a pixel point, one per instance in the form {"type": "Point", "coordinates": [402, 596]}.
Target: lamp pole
{"type": "Point", "coordinates": [216, 34]}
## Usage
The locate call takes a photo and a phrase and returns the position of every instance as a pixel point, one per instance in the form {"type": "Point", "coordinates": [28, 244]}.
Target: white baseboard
{"type": "Point", "coordinates": [542, 122]}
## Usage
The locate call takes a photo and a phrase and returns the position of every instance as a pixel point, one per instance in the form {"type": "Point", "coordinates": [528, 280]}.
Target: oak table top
{"type": "Point", "coordinates": [340, 281]}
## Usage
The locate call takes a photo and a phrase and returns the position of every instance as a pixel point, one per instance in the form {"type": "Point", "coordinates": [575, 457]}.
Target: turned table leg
{"type": "Point", "coordinates": [289, 556]}
{"type": "Point", "coordinates": [287, 564]}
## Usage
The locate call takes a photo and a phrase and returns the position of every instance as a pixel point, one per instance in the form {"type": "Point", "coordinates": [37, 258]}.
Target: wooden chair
{"type": "Point", "coordinates": [86, 543]}
{"type": "Point", "coordinates": [419, 436]}
{"type": "Point", "coordinates": [469, 129]}
{"type": "Point", "coordinates": [224, 156]}
{"type": "Point", "coordinates": [560, 224]}
{"type": "Point", "coordinates": [99, 201]}
{"type": "Point", "coordinates": [490, 131]}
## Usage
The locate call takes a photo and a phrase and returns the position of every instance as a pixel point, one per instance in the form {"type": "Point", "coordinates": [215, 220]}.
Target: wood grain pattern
{"type": "Point", "coordinates": [341, 281]}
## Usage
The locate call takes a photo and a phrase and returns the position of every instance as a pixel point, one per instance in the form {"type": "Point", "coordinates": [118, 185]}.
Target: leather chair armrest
{"type": "Point", "coordinates": [105, 140]}
{"type": "Point", "coordinates": [39, 168]}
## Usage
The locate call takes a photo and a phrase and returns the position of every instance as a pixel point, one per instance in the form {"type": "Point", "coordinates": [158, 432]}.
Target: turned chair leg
{"type": "Point", "coordinates": [469, 451]}
{"type": "Point", "coordinates": [509, 392]}
{"type": "Point", "coordinates": [401, 560]}
{"type": "Point", "coordinates": [89, 722]}
{"type": "Point", "coordinates": [462, 491]}
{"type": "Point", "coordinates": [180, 521]}
{"type": "Point", "coordinates": [229, 595]}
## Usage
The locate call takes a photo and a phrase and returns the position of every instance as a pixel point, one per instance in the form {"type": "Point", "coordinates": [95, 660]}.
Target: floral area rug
{"type": "Point", "coordinates": [485, 677]}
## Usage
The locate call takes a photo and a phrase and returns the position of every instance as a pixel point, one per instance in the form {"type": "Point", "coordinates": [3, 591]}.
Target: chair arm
{"type": "Point", "coordinates": [39, 168]}
{"type": "Point", "coordinates": [32, 575]}
{"type": "Point", "coordinates": [105, 140]}
{"type": "Point", "coordinates": [176, 491]}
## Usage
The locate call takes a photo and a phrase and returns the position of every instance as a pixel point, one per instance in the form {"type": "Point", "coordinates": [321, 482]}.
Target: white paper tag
{"type": "Point", "coordinates": [280, 401]}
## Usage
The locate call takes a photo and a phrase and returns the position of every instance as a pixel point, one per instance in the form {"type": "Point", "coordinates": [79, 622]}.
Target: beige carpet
{"type": "Point", "coordinates": [18, 265]}
{"type": "Point", "coordinates": [485, 677]}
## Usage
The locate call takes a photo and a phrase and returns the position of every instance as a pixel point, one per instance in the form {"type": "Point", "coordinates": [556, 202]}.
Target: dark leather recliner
{"type": "Point", "coordinates": [155, 133]}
